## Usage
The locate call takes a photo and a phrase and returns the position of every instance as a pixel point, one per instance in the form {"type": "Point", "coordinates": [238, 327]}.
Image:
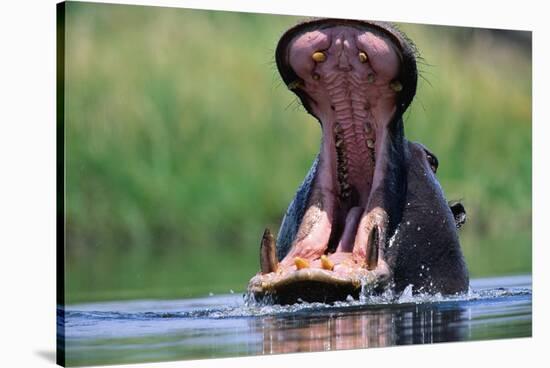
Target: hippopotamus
{"type": "Point", "coordinates": [370, 214]}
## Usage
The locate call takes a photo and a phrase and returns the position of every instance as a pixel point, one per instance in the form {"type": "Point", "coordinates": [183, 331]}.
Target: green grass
{"type": "Point", "coordinates": [182, 145]}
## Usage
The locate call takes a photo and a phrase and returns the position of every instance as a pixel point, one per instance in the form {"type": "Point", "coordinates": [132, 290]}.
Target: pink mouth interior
{"type": "Point", "coordinates": [354, 100]}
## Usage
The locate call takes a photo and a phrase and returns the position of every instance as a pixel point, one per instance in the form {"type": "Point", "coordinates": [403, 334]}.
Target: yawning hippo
{"type": "Point", "coordinates": [370, 212]}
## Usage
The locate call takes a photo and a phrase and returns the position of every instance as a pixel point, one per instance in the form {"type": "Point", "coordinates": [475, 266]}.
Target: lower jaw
{"type": "Point", "coordinates": [314, 285]}
{"type": "Point", "coordinates": [346, 273]}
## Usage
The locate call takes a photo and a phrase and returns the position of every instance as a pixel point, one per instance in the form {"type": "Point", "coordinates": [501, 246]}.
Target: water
{"type": "Point", "coordinates": [224, 325]}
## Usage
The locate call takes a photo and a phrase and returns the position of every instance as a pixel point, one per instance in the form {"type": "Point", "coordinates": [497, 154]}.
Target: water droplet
{"type": "Point", "coordinates": [392, 239]}
{"type": "Point", "coordinates": [408, 222]}
{"type": "Point", "coordinates": [349, 298]}
{"type": "Point", "coordinates": [422, 266]}
{"type": "Point", "coordinates": [210, 294]}
{"type": "Point", "coordinates": [231, 291]}
{"type": "Point", "coordinates": [418, 228]}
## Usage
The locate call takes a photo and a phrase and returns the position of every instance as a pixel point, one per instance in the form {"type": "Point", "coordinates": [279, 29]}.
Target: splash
{"type": "Point", "coordinates": [246, 306]}
{"type": "Point", "coordinates": [368, 298]}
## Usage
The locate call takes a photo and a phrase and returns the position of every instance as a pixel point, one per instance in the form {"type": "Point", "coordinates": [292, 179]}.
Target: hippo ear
{"type": "Point", "coordinates": [459, 213]}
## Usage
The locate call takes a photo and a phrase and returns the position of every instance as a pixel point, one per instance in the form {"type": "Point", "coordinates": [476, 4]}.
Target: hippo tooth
{"type": "Point", "coordinates": [370, 78]}
{"type": "Point", "coordinates": [363, 57]}
{"type": "Point", "coordinates": [319, 56]}
{"type": "Point", "coordinates": [338, 142]}
{"type": "Point", "coordinates": [396, 86]}
{"type": "Point", "coordinates": [326, 263]}
{"type": "Point", "coordinates": [370, 143]}
{"type": "Point", "coordinates": [301, 263]}
{"type": "Point", "coordinates": [316, 76]}
{"type": "Point", "coordinates": [268, 259]}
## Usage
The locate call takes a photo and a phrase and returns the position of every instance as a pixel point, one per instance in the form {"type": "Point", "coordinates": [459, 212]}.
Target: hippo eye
{"type": "Point", "coordinates": [318, 56]}
{"type": "Point", "coordinates": [434, 164]}
{"type": "Point", "coordinates": [363, 57]}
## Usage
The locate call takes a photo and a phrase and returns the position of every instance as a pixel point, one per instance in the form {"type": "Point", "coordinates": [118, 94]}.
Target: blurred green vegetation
{"type": "Point", "coordinates": [182, 145]}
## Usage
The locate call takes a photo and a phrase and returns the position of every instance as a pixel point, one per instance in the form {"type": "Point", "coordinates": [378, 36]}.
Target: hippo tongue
{"type": "Point", "coordinates": [346, 77]}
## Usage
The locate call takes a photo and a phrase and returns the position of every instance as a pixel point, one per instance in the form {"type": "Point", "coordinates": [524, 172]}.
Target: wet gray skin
{"type": "Point", "coordinates": [370, 212]}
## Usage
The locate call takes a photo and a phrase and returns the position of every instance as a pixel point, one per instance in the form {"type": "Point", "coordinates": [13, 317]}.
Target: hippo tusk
{"type": "Point", "coordinates": [268, 259]}
{"type": "Point", "coordinates": [372, 248]}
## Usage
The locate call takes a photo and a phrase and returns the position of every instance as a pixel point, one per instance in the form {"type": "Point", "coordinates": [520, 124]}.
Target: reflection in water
{"type": "Point", "coordinates": [380, 327]}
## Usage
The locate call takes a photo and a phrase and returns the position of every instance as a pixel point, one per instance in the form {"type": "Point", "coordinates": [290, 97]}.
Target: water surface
{"type": "Point", "coordinates": [229, 325]}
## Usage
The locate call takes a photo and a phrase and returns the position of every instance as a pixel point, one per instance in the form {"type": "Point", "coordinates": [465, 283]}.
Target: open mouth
{"type": "Point", "coordinates": [348, 76]}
